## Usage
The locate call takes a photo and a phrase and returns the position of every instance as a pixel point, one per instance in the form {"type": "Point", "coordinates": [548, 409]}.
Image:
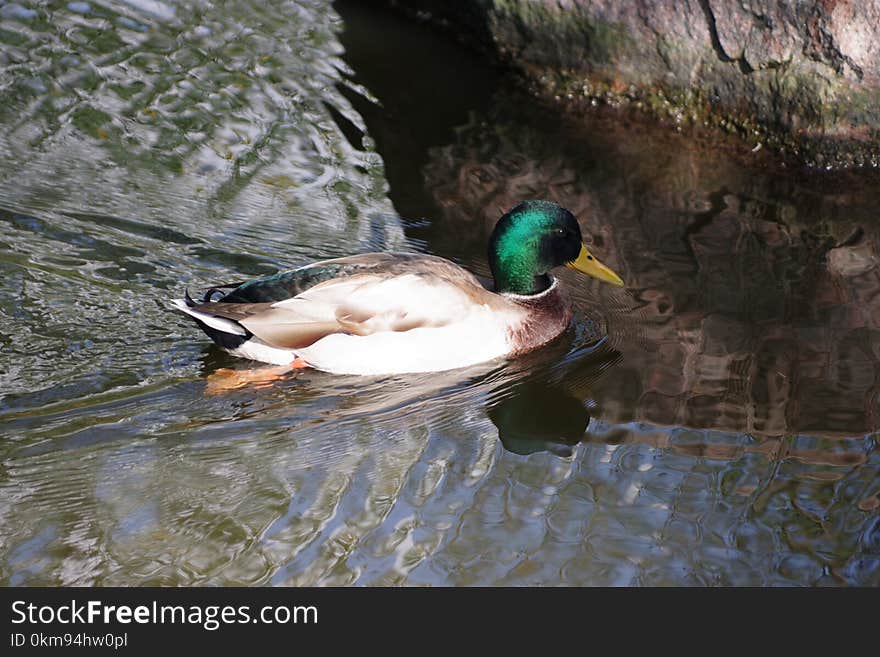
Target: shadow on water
{"type": "Point", "coordinates": [714, 423]}
{"type": "Point", "coordinates": [423, 89]}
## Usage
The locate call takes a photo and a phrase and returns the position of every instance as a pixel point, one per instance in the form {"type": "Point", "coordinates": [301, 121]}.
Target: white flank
{"type": "Point", "coordinates": [256, 349]}
{"type": "Point", "coordinates": [479, 337]}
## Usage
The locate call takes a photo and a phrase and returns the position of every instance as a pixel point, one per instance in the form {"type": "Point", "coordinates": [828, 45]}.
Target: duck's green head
{"type": "Point", "coordinates": [533, 238]}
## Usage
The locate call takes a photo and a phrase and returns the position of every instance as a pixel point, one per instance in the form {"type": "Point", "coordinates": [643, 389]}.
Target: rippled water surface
{"type": "Point", "coordinates": [722, 432]}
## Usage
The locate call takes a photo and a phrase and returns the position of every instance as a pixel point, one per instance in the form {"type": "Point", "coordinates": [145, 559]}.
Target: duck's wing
{"type": "Point", "coordinates": [367, 294]}
{"type": "Point", "coordinates": [288, 284]}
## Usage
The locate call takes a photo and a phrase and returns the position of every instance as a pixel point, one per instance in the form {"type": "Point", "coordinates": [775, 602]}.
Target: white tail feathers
{"type": "Point", "coordinates": [218, 323]}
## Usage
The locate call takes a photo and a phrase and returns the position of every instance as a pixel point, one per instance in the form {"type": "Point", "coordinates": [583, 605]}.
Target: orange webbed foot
{"type": "Point", "coordinates": [226, 379]}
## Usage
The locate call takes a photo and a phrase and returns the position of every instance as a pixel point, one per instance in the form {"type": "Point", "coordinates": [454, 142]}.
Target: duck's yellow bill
{"type": "Point", "coordinates": [586, 263]}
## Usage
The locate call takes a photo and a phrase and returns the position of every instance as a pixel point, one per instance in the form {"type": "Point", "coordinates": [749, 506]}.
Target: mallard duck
{"type": "Point", "coordinates": [391, 313]}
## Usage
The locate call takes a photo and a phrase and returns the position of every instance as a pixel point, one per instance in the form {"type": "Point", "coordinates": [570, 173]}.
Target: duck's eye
{"type": "Point", "coordinates": [559, 231]}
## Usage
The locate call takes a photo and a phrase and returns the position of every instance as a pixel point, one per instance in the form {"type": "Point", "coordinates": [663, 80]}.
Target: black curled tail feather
{"type": "Point", "coordinates": [218, 288]}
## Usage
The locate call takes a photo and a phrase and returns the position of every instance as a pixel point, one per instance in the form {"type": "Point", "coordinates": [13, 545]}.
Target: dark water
{"type": "Point", "coordinates": [722, 433]}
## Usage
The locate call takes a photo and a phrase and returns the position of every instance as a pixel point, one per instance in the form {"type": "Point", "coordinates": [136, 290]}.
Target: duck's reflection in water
{"type": "Point", "coordinates": [549, 411]}
{"type": "Point", "coordinates": [535, 418]}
